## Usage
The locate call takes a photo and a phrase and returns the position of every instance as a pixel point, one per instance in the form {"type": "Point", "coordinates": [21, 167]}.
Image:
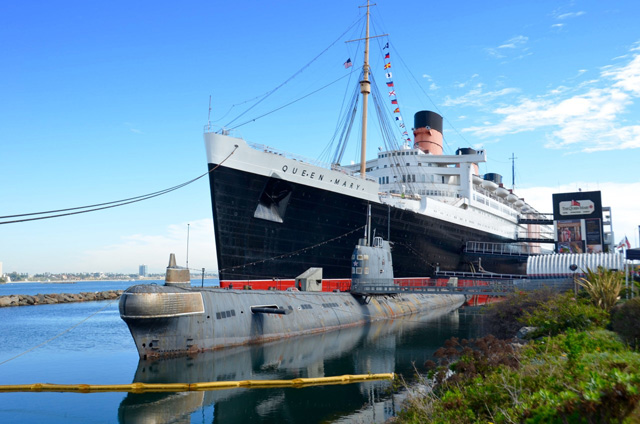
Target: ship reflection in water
{"type": "Point", "coordinates": [379, 347]}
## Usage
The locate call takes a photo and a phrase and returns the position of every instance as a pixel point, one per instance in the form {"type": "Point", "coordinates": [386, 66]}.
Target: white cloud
{"type": "Point", "coordinates": [627, 77]}
{"type": "Point", "coordinates": [154, 249]}
{"type": "Point", "coordinates": [570, 15]}
{"type": "Point", "coordinates": [591, 119]}
{"type": "Point", "coordinates": [624, 210]}
{"type": "Point", "coordinates": [514, 42]}
{"type": "Point", "coordinates": [476, 97]}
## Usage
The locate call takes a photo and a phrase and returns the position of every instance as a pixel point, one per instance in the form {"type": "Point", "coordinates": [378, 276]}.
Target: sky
{"type": "Point", "coordinates": [102, 101]}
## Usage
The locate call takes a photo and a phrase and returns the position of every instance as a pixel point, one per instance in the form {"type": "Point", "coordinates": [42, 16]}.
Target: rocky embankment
{"type": "Point", "coordinates": [48, 299]}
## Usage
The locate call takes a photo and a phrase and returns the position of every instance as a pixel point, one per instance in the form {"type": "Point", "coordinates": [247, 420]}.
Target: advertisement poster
{"type": "Point", "coordinates": [571, 247]}
{"type": "Point", "coordinates": [569, 236]}
{"type": "Point", "coordinates": [593, 235]}
{"type": "Point", "coordinates": [569, 230]}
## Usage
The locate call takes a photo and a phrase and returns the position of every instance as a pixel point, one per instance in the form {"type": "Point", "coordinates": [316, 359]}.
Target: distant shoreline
{"type": "Point", "coordinates": [78, 281]}
{"type": "Point", "coordinates": [101, 280]}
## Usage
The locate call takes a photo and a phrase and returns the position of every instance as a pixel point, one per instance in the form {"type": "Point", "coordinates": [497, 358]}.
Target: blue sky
{"type": "Point", "coordinates": [104, 101]}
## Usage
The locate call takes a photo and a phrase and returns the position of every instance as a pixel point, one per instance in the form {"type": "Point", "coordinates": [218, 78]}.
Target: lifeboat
{"type": "Point", "coordinates": [502, 192]}
{"type": "Point", "coordinates": [519, 203]}
{"type": "Point", "coordinates": [477, 179]}
{"type": "Point", "coordinates": [512, 198]}
{"type": "Point", "coordinates": [489, 185]}
{"type": "Point", "coordinates": [526, 209]}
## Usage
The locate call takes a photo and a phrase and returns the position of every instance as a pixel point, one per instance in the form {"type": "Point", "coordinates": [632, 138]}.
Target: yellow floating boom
{"type": "Point", "coordinates": [193, 387]}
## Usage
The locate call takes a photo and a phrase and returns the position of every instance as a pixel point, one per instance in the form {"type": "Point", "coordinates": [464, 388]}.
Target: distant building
{"type": "Point", "coordinates": [142, 271]}
{"type": "Point", "coordinates": [1, 274]}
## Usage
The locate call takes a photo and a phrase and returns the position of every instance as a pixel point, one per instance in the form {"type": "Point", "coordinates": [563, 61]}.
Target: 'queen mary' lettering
{"type": "Point", "coordinates": [303, 173]}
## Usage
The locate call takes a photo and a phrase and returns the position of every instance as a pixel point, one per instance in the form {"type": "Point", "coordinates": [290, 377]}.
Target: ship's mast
{"type": "Point", "coordinates": [365, 89]}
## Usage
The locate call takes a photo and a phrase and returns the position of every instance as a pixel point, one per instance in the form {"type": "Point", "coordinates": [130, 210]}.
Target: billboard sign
{"type": "Point", "coordinates": [577, 205]}
{"type": "Point", "coordinates": [578, 222]}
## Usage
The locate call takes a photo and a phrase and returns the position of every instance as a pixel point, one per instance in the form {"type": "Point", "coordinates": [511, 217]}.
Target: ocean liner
{"type": "Point", "coordinates": [276, 214]}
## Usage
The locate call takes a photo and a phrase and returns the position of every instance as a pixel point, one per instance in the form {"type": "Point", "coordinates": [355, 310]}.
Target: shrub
{"type": "Point", "coordinates": [599, 382]}
{"type": "Point", "coordinates": [603, 286]}
{"type": "Point", "coordinates": [564, 312]}
{"type": "Point", "coordinates": [579, 376]}
{"type": "Point", "coordinates": [503, 319]}
{"type": "Point", "coordinates": [473, 358]}
{"type": "Point", "coordinates": [580, 372]}
{"type": "Point", "coordinates": [625, 320]}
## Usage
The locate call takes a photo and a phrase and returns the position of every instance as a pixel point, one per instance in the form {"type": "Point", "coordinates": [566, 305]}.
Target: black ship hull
{"type": "Point", "coordinates": [302, 226]}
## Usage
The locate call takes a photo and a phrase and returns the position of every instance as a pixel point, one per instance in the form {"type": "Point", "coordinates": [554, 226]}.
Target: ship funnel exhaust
{"type": "Point", "coordinates": [427, 132]}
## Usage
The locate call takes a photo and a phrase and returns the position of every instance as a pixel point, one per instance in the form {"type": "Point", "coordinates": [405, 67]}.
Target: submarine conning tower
{"type": "Point", "coordinates": [372, 267]}
{"type": "Point", "coordinates": [427, 132]}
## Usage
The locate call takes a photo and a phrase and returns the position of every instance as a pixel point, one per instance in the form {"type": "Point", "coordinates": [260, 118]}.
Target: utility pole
{"type": "Point", "coordinates": [188, 227]}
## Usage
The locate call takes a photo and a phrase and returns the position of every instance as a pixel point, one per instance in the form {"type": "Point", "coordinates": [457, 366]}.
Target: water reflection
{"type": "Point", "coordinates": [382, 347]}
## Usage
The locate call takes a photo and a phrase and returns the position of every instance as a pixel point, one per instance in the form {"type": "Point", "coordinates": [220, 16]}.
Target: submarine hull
{"type": "Point", "coordinates": [170, 321]}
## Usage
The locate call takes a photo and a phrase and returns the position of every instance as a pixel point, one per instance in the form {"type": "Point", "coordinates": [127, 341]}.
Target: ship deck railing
{"type": "Point", "coordinates": [479, 276]}
{"type": "Point", "coordinates": [497, 289]}
{"type": "Point", "coordinates": [539, 218]}
{"type": "Point", "coordinates": [500, 200]}
{"type": "Point", "coordinates": [470, 287]}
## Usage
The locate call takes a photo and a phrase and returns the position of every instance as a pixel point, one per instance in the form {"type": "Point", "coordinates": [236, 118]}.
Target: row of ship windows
{"type": "Point", "coordinates": [358, 270]}
{"type": "Point", "coordinates": [411, 178]}
{"type": "Point", "coordinates": [360, 257]}
{"type": "Point", "coordinates": [409, 153]}
{"type": "Point", "coordinates": [442, 193]}
{"type": "Point", "coordinates": [408, 164]}
{"type": "Point", "coordinates": [434, 193]}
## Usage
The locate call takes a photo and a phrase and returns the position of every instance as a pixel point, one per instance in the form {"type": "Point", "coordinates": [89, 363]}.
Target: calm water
{"type": "Point", "coordinates": [84, 286]}
{"type": "Point", "coordinates": [101, 351]}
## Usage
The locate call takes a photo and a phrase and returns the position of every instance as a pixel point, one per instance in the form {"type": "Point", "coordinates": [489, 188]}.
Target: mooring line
{"type": "Point", "coordinates": [107, 205]}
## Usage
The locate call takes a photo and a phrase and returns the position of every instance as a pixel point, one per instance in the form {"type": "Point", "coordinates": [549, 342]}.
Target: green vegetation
{"type": "Point", "coordinates": [580, 366]}
{"type": "Point", "coordinates": [625, 320]}
{"type": "Point", "coordinates": [603, 286]}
